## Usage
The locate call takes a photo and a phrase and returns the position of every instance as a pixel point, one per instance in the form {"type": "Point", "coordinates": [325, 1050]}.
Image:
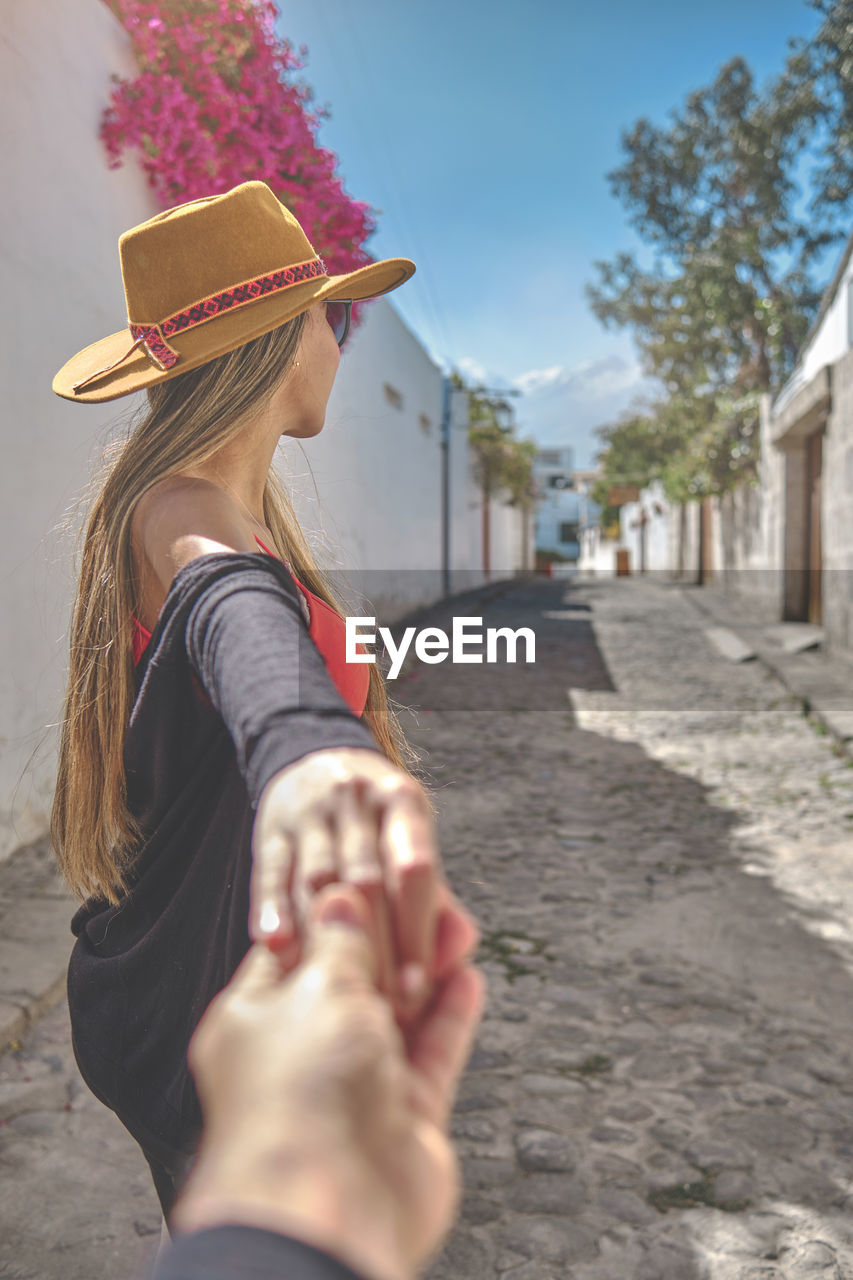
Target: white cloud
{"type": "Point", "coordinates": [564, 406]}
{"type": "Point", "coordinates": [537, 379]}
{"type": "Point", "coordinates": [600, 379]}
{"type": "Point", "coordinates": [475, 371]}
{"type": "Point", "coordinates": [592, 380]}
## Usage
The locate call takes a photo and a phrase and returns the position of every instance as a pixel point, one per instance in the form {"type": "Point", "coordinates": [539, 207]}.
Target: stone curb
{"type": "Point", "coordinates": [825, 692]}
{"type": "Point", "coordinates": [36, 909]}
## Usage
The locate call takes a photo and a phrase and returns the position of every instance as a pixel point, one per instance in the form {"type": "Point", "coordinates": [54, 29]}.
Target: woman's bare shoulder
{"type": "Point", "coordinates": [184, 517]}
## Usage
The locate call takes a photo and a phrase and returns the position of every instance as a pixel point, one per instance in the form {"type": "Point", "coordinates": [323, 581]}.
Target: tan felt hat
{"type": "Point", "coordinates": [205, 277]}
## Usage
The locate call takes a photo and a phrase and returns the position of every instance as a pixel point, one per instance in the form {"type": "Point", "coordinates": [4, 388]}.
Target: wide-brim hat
{"type": "Point", "coordinates": [205, 277]}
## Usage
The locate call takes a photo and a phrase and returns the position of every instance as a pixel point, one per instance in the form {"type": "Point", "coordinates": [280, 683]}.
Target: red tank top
{"type": "Point", "coordinates": [328, 631]}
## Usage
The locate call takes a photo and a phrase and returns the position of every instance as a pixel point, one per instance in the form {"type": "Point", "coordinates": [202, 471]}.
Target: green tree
{"type": "Point", "coordinates": [695, 445]}
{"type": "Point", "coordinates": [726, 293]}
{"type": "Point", "coordinates": [729, 293]}
{"type": "Point", "coordinates": [503, 464]}
{"type": "Point", "coordinates": [517, 477]}
{"type": "Point", "coordinates": [635, 450]}
{"type": "Point", "coordinates": [822, 69]}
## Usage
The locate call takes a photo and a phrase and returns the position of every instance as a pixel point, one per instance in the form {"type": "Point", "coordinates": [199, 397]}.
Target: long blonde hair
{"type": "Point", "coordinates": [188, 419]}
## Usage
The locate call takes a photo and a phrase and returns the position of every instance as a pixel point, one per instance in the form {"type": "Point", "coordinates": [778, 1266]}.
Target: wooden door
{"type": "Point", "coordinates": [682, 536]}
{"type": "Point", "coordinates": [814, 551]}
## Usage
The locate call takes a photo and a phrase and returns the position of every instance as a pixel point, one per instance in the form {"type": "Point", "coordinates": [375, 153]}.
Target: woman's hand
{"type": "Point", "coordinates": [349, 815]}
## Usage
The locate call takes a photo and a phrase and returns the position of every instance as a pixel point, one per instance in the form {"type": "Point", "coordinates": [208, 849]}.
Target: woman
{"type": "Point", "coordinates": [220, 762]}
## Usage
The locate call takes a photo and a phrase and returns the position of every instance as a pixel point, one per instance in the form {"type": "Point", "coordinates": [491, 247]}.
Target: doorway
{"type": "Point", "coordinates": [813, 557]}
{"type": "Point", "coordinates": [706, 546]}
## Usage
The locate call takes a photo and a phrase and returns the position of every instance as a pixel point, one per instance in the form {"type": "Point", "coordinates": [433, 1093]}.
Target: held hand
{"type": "Point", "coordinates": [319, 1121]}
{"type": "Point", "coordinates": [349, 815]}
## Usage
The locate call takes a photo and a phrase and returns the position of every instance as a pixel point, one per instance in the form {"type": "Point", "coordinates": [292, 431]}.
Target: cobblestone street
{"type": "Point", "coordinates": [657, 846]}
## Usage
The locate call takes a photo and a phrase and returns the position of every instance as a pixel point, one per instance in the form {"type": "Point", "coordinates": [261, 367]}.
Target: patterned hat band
{"type": "Point", "coordinates": [152, 338]}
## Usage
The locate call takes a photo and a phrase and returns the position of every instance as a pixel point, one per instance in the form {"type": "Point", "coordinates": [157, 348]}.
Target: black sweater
{"type": "Point", "coordinates": [230, 689]}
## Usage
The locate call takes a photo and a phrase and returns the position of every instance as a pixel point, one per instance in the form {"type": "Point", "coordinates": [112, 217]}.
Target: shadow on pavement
{"type": "Point", "coordinates": [662, 1084]}
{"type": "Point", "coordinates": [566, 653]}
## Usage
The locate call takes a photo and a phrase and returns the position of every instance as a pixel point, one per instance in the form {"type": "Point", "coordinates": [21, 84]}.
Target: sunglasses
{"type": "Point", "coordinates": [338, 316]}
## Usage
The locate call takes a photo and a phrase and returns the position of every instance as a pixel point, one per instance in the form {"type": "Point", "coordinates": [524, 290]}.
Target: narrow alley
{"type": "Point", "coordinates": [657, 846]}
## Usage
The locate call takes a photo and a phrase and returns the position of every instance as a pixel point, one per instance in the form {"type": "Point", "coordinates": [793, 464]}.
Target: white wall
{"type": "Point", "coordinates": [556, 504]}
{"type": "Point", "coordinates": [506, 528]}
{"type": "Point", "coordinates": [506, 547]}
{"type": "Point", "coordinates": [60, 218]}
{"type": "Point", "coordinates": [837, 510]}
{"type": "Point", "coordinates": [466, 548]}
{"type": "Point", "coordinates": [466, 506]}
{"type": "Point", "coordinates": [658, 515]}
{"type": "Point", "coordinates": [555, 508]}
{"type": "Point", "coordinates": [748, 528]}
{"type": "Point", "coordinates": [377, 467]}
{"type": "Point", "coordinates": [747, 531]}
{"type": "Point", "coordinates": [597, 554]}
{"type": "Point", "coordinates": [827, 344]}
{"type": "Point", "coordinates": [375, 513]}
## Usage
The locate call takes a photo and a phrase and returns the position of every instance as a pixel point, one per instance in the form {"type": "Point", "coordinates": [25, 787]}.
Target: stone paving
{"type": "Point", "coordinates": [662, 1085]}
{"type": "Point", "coordinates": [658, 848]}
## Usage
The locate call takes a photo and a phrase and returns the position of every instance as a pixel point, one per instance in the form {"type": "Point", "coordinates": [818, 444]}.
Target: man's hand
{"type": "Point", "coordinates": [320, 1122]}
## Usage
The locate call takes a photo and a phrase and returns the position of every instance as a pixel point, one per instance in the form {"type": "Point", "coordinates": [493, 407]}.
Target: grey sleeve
{"type": "Point", "coordinates": [250, 649]}
{"type": "Point", "coordinates": [247, 1253]}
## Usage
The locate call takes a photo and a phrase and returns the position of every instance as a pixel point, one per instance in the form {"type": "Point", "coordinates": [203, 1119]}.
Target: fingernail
{"type": "Point", "coordinates": [270, 921]}
{"type": "Point", "coordinates": [339, 911]}
{"type": "Point", "coordinates": [412, 982]}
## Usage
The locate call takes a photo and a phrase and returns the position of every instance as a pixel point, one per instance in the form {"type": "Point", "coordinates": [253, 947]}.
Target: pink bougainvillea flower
{"type": "Point", "coordinates": [215, 104]}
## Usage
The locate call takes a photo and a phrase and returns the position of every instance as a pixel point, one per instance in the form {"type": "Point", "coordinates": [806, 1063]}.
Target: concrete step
{"type": "Point", "coordinates": [729, 645]}
{"type": "Point", "coordinates": [794, 637]}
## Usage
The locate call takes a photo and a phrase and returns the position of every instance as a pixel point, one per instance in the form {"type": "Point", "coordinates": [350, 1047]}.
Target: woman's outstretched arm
{"type": "Point", "coordinates": [329, 805]}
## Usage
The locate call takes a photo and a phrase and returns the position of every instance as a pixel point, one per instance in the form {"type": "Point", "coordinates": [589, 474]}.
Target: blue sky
{"type": "Point", "coordinates": [482, 132]}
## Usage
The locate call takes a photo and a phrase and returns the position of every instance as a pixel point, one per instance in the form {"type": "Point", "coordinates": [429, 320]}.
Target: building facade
{"type": "Point", "coordinates": [558, 506]}
{"type": "Point", "coordinates": [784, 541]}
{"type": "Point", "coordinates": [811, 426]}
